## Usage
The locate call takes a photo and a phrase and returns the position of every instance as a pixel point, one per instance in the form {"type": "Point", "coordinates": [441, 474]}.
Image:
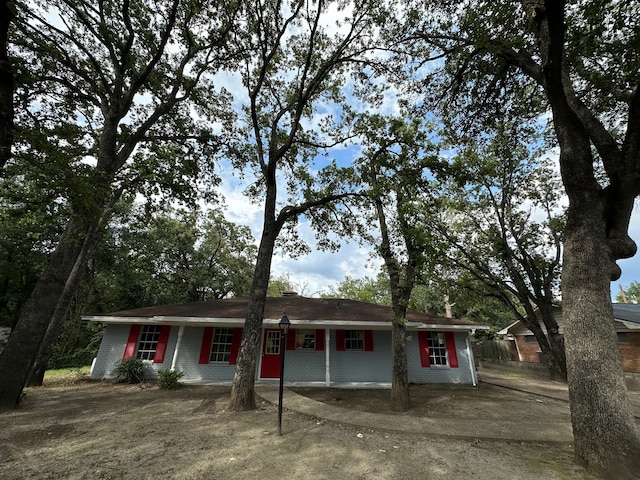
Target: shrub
{"type": "Point", "coordinates": [168, 378]}
{"type": "Point", "coordinates": [131, 370]}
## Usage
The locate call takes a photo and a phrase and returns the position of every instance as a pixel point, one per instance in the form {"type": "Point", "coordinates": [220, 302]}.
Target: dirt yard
{"type": "Point", "coordinates": [98, 430]}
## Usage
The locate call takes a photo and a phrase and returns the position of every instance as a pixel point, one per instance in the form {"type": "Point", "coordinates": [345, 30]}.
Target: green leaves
{"type": "Point", "coordinates": [173, 256]}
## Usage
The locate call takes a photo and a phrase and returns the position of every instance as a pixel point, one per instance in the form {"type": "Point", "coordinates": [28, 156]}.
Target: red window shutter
{"type": "Point", "coordinates": [424, 349]}
{"type": "Point", "coordinates": [235, 345]}
{"type": "Point", "coordinates": [451, 349]}
{"type": "Point", "coordinates": [291, 339]}
{"type": "Point", "coordinates": [319, 339]}
{"type": "Point", "coordinates": [132, 342]}
{"type": "Point", "coordinates": [161, 347]}
{"type": "Point", "coordinates": [340, 340]}
{"type": "Point", "coordinates": [368, 340]}
{"type": "Point", "coordinates": [205, 349]}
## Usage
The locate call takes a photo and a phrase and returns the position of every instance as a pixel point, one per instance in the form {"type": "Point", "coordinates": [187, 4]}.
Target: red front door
{"type": "Point", "coordinates": [270, 365]}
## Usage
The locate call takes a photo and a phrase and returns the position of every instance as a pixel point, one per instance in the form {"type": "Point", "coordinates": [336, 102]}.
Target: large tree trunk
{"type": "Point", "coordinates": [36, 376]}
{"type": "Point", "coordinates": [400, 400]}
{"type": "Point", "coordinates": [242, 389]}
{"type": "Point", "coordinates": [51, 297]}
{"type": "Point", "coordinates": [556, 341]}
{"type": "Point", "coordinates": [606, 438]}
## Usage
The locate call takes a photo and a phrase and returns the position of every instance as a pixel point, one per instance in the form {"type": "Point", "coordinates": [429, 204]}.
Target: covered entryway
{"type": "Point", "coordinates": [270, 365]}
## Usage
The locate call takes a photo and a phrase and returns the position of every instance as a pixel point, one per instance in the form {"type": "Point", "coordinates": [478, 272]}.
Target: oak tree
{"type": "Point", "coordinates": [579, 62]}
{"type": "Point", "coordinates": [119, 92]}
{"type": "Point", "coordinates": [298, 59]}
{"type": "Point", "coordinates": [500, 215]}
{"type": "Point", "coordinates": [397, 159]}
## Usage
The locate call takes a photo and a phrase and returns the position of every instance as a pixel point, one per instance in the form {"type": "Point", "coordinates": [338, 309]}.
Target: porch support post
{"type": "Point", "coordinates": [472, 363]}
{"type": "Point", "coordinates": [327, 358]}
{"type": "Point", "coordinates": [175, 351]}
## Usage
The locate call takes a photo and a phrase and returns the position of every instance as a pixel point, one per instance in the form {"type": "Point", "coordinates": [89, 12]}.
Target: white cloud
{"type": "Point", "coordinates": [317, 271]}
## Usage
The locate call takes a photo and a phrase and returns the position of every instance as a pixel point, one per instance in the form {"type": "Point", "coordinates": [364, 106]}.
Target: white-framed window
{"type": "Point", "coordinates": [437, 348]}
{"type": "Point", "coordinates": [354, 339]}
{"type": "Point", "coordinates": [272, 342]}
{"type": "Point", "coordinates": [148, 342]}
{"type": "Point", "coordinates": [221, 345]}
{"type": "Point", "coordinates": [305, 339]}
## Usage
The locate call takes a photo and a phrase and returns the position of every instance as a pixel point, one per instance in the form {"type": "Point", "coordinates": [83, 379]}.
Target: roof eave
{"type": "Point", "coordinates": [239, 322]}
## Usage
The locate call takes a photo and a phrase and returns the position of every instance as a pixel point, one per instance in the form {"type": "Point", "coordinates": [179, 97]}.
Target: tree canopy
{"type": "Point", "coordinates": [531, 59]}
{"type": "Point", "coordinates": [114, 99]}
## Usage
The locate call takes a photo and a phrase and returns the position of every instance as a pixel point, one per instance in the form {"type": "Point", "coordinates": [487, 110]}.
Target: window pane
{"type": "Point", "coordinates": [354, 339]}
{"type": "Point", "coordinates": [221, 345]}
{"type": "Point", "coordinates": [272, 346]}
{"type": "Point", "coordinates": [305, 339]}
{"type": "Point", "coordinates": [148, 342]}
{"type": "Point", "coordinates": [437, 348]}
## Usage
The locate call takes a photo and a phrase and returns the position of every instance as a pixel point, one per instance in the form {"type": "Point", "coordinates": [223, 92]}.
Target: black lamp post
{"type": "Point", "coordinates": [284, 325]}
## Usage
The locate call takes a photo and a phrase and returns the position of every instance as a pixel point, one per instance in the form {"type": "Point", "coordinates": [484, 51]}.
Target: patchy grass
{"type": "Point", "coordinates": [66, 376]}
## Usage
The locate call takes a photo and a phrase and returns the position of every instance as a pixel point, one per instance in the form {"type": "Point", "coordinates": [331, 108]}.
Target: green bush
{"type": "Point", "coordinates": [168, 378]}
{"type": "Point", "coordinates": [131, 370]}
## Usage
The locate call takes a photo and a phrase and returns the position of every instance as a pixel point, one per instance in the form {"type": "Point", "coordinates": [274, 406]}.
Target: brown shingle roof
{"type": "Point", "coordinates": [296, 308]}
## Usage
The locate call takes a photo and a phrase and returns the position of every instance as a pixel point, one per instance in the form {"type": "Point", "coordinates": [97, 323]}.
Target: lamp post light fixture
{"type": "Point", "coordinates": [284, 325]}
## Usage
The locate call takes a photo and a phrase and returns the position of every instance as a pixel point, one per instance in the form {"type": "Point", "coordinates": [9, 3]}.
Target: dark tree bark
{"type": "Point", "coordinates": [7, 12]}
{"type": "Point", "coordinates": [102, 74]}
{"type": "Point", "coordinates": [36, 375]}
{"type": "Point", "coordinates": [605, 432]}
{"type": "Point", "coordinates": [52, 296]}
{"type": "Point", "coordinates": [596, 235]}
{"type": "Point", "coordinates": [400, 395]}
{"type": "Point", "coordinates": [401, 282]}
{"type": "Point", "coordinates": [242, 391]}
{"type": "Point", "coordinates": [400, 294]}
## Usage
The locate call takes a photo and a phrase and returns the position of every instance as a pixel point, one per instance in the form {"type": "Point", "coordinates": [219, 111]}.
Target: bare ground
{"type": "Point", "coordinates": [98, 430]}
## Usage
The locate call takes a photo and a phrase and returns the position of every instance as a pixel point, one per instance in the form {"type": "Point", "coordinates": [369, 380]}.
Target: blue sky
{"type": "Point", "coordinates": [631, 266]}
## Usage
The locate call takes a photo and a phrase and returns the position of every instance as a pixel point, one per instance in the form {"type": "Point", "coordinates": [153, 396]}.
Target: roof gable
{"type": "Point", "coordinates": [622, 312]}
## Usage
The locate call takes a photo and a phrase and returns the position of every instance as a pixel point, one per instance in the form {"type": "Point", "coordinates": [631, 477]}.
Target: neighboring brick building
{"type": "Point", "coordinates": [627, 322]}
{"type": "Point", "coordinates": [331, 341]}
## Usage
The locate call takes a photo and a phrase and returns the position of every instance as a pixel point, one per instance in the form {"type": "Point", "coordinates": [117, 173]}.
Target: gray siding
{"type": "Point", "coordinates": [114, 340]}
{"type": "Point", "coordinates": [439, 373]}
{"type": "Point", "coordinates": [189, 356]}
{"type": "Point", "coordinates": [300, 365]}
{"type": "Point", "coordinates": [360, 366]}
{"type": "Point", "coordinates": [304, 366]}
